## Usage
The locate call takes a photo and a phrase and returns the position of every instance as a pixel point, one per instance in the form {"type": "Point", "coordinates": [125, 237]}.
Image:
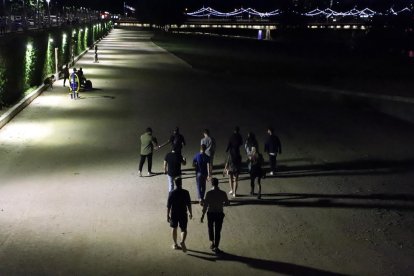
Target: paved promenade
{"type": "Point", "coordinates": [71, 201]}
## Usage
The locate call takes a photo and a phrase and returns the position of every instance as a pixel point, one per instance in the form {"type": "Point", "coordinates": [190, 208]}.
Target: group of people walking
{"type": "Point", "coordinates": [179, 200]}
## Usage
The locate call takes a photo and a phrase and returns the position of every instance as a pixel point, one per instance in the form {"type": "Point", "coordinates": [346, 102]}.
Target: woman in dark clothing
{"type": "Point", "coordinates": [251, 142]}
{"type": "Point", "coordinates": [256, 162]}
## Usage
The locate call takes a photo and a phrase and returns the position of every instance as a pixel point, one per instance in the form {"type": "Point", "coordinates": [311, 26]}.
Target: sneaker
{"type": "Point", "coordinates": [217, 250]}
{"type": "Point", "coordinates": [183, 247]}
{"type": "Point", "coordinates": [234, 195]}
{"type": "Point", "coordinates": [140, 173]}
{"type": "Point", "coordinates": [231, 192]}
{"type": "Point", "coordinates": [259, 196]}
{"type": "Point", "coordinates": [212, 246]}
{"type": "Point", "coordinates": [175, 247]}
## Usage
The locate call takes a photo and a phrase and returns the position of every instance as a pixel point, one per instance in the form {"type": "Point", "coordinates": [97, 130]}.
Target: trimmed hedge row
{"type": "Point", "coordinates": [27, 58]}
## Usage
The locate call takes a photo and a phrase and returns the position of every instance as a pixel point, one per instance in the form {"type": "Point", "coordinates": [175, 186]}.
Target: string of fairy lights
{"type": "Point", "coordinates": [210, 12]}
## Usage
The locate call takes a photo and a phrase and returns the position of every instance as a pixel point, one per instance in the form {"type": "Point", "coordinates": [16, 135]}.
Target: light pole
{"type": "Point", "coordinates": [48, 10]}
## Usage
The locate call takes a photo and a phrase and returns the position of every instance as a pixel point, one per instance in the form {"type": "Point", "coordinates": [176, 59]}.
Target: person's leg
{"type": "Point", "coordinates": [236, 183]}
{"type": "Point", "coordinates": [231, 182]}
{"type": "Point", "coordinates": [217, 228]}
{"type": "Point", "coordinates": [198, 183]}
{"type": "Point", "coordinates": [272, 161]}
{"type": "Point", "coordinates": [259, 194]}
{"type": "Point", "coordinates": [252, 177]}
{"type": "Point", "coordinates": [149, 158]}
{"type": "Point", "coordinates": [210, 220]}
{"type": "Point", "coordinates": [170, 183]}
{"type": "Point", "coordinates": [183, 225]}
{"type": "Point", "coordinates": [203, 186]}
{"type": "Point", "coordinates": [174, 234]}
{"type": "Point", "coordinates": [141, 164]}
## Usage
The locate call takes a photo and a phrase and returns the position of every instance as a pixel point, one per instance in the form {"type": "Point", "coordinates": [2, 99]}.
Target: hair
{"type": "Point", "coordinates": [178, 181]}
{"type": "Point", "coordinates": [214, 182]}
{"type": "Point", "coordinates": [270, 129]}
{"type": "Point", "coordinates": [176, 130]}
{"type": "Point", "coordinates": [149, 129]}
{"type": "Point", "coordinates": [206, 131]}
{"type": "Point", "coordinates": [203, 147]}
{"type": "Point", "coordinates": [236, 129]}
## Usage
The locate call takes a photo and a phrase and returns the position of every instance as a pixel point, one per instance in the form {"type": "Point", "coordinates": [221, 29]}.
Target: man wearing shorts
{"type": "Point", "coordinates": [178, 202]}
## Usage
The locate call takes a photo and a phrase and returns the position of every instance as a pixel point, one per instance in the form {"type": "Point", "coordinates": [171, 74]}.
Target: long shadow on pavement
{"type": "Point", "coordinates": [273, 266]}
{"type": "Point", "coordinates": [370, 201]}
{"type": "Point", "coordinates": [358, 167]}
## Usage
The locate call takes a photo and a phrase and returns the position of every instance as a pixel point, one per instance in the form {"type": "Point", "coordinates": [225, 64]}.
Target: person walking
{"type": "Point", "coordinates": [172, 167]}
{"type": "Point", "coordinates": [232, 169]}
{"type": "Point", "coordinates": [210, 143]}
{"type": "Point", "coordinates": [235, 142]}
{"type": "Point", "coordinates": [250, 143]}
{"type": "Point", "coordinates": [176, 140]}
{"type": "Point", "coordinates": [65, 74]}
{"type": "Point", "coordinates": [272, 147]}
{"type": "Point", "coordinates": [201, 162]}
{"type": "Point", "coordinates": [148, 142]}
{"type": "Point", "coordinates": [178, 203]}
{"type": "Point", "coordinates": [256, 162]}
{"type": "Point", "coordinates": [213, 205]}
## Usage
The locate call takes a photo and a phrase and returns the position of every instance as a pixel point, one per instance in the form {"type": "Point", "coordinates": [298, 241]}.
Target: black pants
{"type": "Point", "coordinates": [215, 222]}
{"type": "Point", "coordinates": [272, 161]}
{"type": "Point", "coordinates": [142, 161]}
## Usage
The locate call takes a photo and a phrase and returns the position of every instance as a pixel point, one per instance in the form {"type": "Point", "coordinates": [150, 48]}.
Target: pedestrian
{"type": "Point", "coordinates": [201, 162]}
{"type": "Point", "coordinates": [214, 202]}
{"type": "Point", "coordinates": [96, 54]}
{"type": "Point", "coordinates": [48, 82]}
{"type": "Point", "coordinates": [65, 74]}
{"type": "Point", "coordinates": [272, 147]}
{"type": "Point", "coordinates": [148, 142]}
{"type": "Point", "coordinates": [81, 76]}
{"type": "Point", "coordinates": [210, 143]}
{"type": "Point", "coordinates": [232, 169]}
{"type": "Point", "coordinates": [177, 140]}
{"type": "Point", "coordinates": [179, 202]}
{"type": "Point", "coordinates": [172, 167]}
{"type": "Point", "coordinates": [250, 143]}
{"type": "Point", "coordinates": [256, 162]}
{"type": "Point", "coordinates": [235, 142]}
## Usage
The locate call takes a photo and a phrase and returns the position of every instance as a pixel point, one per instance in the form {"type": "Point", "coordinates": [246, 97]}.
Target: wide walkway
{"type": "Point", "coordinates": [71, 201]}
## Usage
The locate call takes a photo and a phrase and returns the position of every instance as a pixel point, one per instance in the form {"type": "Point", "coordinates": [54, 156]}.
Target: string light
{"type": "Point", "coordinates": [367, 12]}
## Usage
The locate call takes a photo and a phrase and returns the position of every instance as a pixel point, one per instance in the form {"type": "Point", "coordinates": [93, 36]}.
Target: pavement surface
{"type": "Point", "coordinates": [72, 203]}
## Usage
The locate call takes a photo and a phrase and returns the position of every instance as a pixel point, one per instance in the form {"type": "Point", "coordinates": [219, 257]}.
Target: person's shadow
{"type": "Point", "coordinates": [273, 266]}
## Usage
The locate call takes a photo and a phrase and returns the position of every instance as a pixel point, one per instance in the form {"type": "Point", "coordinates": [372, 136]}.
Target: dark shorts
{"type": "Point", "coordinates": [180, 220]}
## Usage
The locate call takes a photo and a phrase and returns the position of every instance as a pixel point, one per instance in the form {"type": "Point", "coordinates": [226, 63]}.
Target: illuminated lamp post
{"type": "Point", "coordinates": [48, 10]}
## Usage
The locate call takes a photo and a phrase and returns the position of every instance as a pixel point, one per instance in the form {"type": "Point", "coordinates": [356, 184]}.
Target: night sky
{"type": "Point", "coordinates": [116, 6]}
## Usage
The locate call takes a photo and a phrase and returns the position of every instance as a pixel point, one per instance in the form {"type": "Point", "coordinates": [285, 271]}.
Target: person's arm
{"type": "Point", "coordinates": [183, 160]}
{"type": "Point", "coordinates": [168, 214]}
{"type": "Point", "coordinates": [209, 170]}
{"type": "Point", "coordinates": [203, 212]}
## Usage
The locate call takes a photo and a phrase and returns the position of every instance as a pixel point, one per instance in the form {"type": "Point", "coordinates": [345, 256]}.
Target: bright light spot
{"type": "Point", "coordinates": [50, 39]}
{"type": "Point", "coordinates": [29, 46]}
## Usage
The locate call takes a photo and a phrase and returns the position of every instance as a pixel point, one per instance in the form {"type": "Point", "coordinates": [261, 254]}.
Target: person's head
{"type": "Point", "coordinates": [236, 129]}
{"type": "Point", "coordinates": [74, 69]}
{"type": "Point", "coordinates": [149, 130]}
{"type": "Point", "coordinates": [206, 132]}
{"type": "Point", "coordinates": [203, 148]}
{"type": "Point", "coordinates": [270, 130]}
{"type": "Point", "coordinates": [250, 135]}
{"type": "Point", "coordinates": [80, 69]}
{"type": "Point", "coordinates": [178, 182]}
{"type": "Point", "coordinates": [176, 130]}
{"type": "Point", "coordinates": [214, 182]}
{"type": "Point", "coordinates": [253, 149]}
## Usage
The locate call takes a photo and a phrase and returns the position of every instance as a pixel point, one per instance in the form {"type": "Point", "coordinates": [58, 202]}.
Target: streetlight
{"type": "Point", "coordinates": [48, 10]}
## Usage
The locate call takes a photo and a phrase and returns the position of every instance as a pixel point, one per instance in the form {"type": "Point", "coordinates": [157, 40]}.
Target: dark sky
{"type": "Point", "coordinates": [116, 6]}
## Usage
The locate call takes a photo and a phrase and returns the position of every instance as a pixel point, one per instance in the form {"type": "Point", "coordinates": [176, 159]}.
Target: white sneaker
{"type": "Point", "coordinates": [140, 173]}
{"type": "Point", "coordinates": [231, 192]}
